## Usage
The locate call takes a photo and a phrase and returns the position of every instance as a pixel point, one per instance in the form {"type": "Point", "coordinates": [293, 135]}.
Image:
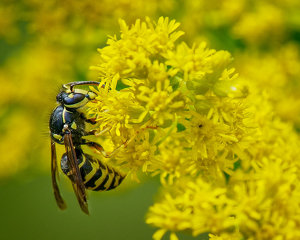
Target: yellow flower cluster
{"type": "Point", "coordinates": [167, 87]}
{"type": "Point", "coordinates": [259, 200]}
{"type": "Point", "coordinates": [228, 165]}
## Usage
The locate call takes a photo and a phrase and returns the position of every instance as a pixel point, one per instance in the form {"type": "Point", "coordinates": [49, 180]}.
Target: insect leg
{"type": "Point", "coordinates": [98, 148]}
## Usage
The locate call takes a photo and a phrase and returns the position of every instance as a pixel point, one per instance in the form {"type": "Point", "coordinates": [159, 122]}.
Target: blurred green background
{"type": "Point", "coordinates": [28, 211]}
{"type": "Point", "coordinates": [44, 44]}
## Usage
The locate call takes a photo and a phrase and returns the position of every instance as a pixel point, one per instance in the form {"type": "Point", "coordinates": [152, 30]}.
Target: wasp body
{"type": "Point", "coordinates": [95, 175]}
{"type": "Point", "coordinates": [67, 126]}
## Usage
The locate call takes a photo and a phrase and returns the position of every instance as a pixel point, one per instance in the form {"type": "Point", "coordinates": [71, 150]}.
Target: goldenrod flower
{"type": "Point", "coordinates": [130, 56]}
{"type": "Point", "coordinates": [166, 85]}
{"type": "Point", "coordinates": [183, 113]}
{"type": "Point", "coordinates": [194, 206]}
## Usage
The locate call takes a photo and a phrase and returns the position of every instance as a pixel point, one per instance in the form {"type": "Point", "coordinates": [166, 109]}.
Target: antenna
{"type": "Point", "coordinates": [71, 85]}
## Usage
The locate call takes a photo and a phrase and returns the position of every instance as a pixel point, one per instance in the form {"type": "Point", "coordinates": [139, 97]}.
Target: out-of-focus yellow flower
{"type": "Point", "coordinates": [88, 16]}
{"type": "Point", "coordinates": [278, 73]}
{"type": "Point", "coordinates": [28, 83]}
{"type": "Point", "coordinates": [225, 236]}
{"type": "Point", "coordinates": [264, 23]}
{"type": "Point", "coordinates": [255, 23]}
{"type": "Point", "coordinates": [9, 21]}
{"type": "Point", "coordinates": [16, 136]}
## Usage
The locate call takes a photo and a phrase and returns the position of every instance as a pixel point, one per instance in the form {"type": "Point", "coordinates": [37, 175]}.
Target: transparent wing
{"type": "Point", "coordinates": [54, 174]}
{"type": "Point", "coordinates": [76, 178]}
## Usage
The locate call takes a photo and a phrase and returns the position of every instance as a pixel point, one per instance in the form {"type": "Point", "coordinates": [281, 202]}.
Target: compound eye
{"type": "Point", "coordinates": [61, 96]}
{"type": "Point", "coordinates": [73, 98]}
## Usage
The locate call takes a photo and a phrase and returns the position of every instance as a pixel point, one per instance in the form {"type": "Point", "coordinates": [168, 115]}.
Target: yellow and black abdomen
{"type": "Point", "coordinates": [96, 175]}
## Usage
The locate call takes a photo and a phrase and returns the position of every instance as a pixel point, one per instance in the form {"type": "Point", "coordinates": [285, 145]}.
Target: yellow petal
{"type": "Point", "coordinates": [159, 234]}
{"type": "Point", "coordinates": [173, 236]}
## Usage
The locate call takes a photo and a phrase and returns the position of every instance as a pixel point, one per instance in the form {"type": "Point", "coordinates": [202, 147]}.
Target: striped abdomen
{"type": "Point", "coordinates": [96, 176]}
